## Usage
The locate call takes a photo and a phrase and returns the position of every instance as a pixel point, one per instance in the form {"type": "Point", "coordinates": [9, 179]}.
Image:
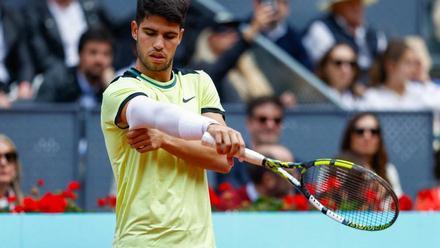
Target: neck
{"type": "Point", "coordinates": [3, 189]}
{"type": "Point", "coordinates": [397, 86]}
{"type": "Point", "coordinates": [161, 76]}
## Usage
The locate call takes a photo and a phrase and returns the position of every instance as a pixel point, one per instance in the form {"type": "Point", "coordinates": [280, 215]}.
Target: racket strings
{"type": "Point", "coordinates": [356, 195]}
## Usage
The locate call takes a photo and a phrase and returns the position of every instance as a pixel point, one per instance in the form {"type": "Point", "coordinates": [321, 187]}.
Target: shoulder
{"type": "Point", "coordinates": [124, 81]}
{"type": "Point", "coordinates": [190, 76]}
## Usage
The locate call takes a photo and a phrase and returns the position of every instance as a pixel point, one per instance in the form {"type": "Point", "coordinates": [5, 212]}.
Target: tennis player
{"type": "Point", "coordinates": [162, 189]}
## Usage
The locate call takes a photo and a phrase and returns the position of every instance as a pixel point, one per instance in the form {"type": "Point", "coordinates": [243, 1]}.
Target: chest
{"type": "Point", "coordinates": [186, 96]}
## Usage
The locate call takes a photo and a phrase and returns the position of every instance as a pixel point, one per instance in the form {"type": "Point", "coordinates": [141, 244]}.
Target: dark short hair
{"type": "Point", "coordinates": [258, 101]}
{"type": "Point", "coordinates": [95, 34]}
{"type": "Point", "coordinates": [172, 10]}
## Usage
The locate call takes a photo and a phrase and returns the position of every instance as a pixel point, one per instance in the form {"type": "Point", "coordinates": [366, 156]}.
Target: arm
{"type": "Point", "coordinates": [142, 112]}
{"type": "Point", "coordinates": [145, 140]}
{"type": "Point", "coordinates": [196, 153]}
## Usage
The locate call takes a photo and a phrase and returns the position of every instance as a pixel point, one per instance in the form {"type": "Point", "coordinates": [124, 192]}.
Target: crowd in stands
{"type": "Point", "coordinates": [68, 51]}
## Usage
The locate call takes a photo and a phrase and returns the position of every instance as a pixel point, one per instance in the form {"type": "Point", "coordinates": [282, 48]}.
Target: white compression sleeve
{"type": "Point", "coordinates": [171, 119]}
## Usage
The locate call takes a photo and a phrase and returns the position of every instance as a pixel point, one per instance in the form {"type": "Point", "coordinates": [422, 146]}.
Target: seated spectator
{"type": "Point", "coordinates": [362, 143]}
{"type": "Point", "coordinates": [338, 68]}
{"type": "Point", "coordinates": [390, 80]}
{"type": "Point", "coordinates": [264, 182]}
{"type": "Point", "coordinates": [86, 82]}
{"type": "Point", "coordinates": [55, 27]}
{"type": "Point", "coordinates": [10, 173]}
{"type": "Point", "coordinates": [264, 124]}
{"type": "Point", "coordinates": [16, 69]}
{"type": "Point", "coordinates": [221, 52]}
{"type": "Point", "coordinates": [281, 32]}
{"type": "Point", "coordinates": [344, 23]}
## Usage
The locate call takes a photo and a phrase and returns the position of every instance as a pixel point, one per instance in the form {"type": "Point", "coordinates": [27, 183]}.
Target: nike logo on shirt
{"type": "Point", "coordinates": [189, 99]}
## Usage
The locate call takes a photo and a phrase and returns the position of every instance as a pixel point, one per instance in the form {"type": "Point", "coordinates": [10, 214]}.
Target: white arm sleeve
{"type": "Point", "coordinates": [143, 112]}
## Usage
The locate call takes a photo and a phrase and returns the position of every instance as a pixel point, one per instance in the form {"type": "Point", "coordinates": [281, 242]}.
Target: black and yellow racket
{"type": "Point", "coordinates": [347, 193]}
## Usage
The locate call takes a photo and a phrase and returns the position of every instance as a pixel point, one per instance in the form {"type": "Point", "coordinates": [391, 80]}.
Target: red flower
{"type": "Point", "coordinates": [74, 185]}
{"type": "Point", "coordinates": [12, 199]}
{"type": "Point", "coordinates": [370, 196]}
{"type": "Point", "coordinates": [225, 187]}
{"type": "Point", "coordinates": [18, 209]}
{"type": "Point", "coordinates": [51, 203]}
{"type": "Point", "coordinates": [111, 201]}
{"type": "Point", "coordinates": [30, 205]}
{"type": "Point", "coordinates": [40, 182]}
{"type": "Point", "coordinates": [215, 200]}
{"type": "Point", "coordinates": [331, 183]}
{"type": "Point", "coordinates": [295, 202]}
{"type": "Point", "coordinates": [69, 194]}
{"type": "Point", "coordinates": [405, 203]}
{"type": "Point", "coordinates": [101, 202]}
{"type": "Point", "coordinates": [428, 200]}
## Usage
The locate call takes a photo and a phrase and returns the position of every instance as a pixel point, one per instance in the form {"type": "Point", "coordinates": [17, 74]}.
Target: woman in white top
{"type": "Point", "coordinates": [362, 143]}
{"type": "Point", "coordinates": [390, 79]}
{"type": "Point", "coordinates": [339, 69]}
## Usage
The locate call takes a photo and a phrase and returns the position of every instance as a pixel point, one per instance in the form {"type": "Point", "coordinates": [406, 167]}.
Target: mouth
{"type": "Point", "coordinates": [157, 57]}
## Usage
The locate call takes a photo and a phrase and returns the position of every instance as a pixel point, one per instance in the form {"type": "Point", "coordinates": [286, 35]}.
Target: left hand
{"type": "Point", "coordinates": [145, 139]}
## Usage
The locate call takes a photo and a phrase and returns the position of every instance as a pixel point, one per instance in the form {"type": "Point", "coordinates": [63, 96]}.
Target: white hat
{"type": "Point", "coordinates": [326, 4]}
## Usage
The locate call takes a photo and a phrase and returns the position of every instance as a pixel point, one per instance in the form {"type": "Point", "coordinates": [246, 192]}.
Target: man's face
{"type": "Point", "coordinates": [157, 41]}
{"type": "Point", "coordinates": [95, 58]}
{"type": "Point", "coordinates": [265, 124]}
{"type": "Point", "coordinates": [352, 11]}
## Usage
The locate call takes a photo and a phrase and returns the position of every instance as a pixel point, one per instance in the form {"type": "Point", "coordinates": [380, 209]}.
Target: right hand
{"type": "Point", "coordinates": [228, 141]}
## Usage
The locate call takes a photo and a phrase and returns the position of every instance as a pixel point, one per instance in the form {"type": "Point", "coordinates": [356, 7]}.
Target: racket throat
{"type": "Point", "coordinates": [325, 210]}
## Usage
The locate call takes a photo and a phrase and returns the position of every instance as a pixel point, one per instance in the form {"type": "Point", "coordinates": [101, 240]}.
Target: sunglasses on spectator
{"type": "Point", "coordinates": [362, 131]}
{"type": "Point", "coordinates": [11, 157]}
{"type": "Point", "coordinates": [264, 119]}
{"type": "Point", "coordinates": [341, 62]}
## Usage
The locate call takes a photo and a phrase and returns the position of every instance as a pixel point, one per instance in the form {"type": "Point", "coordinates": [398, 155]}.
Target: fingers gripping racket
{"type": "Point", "coordinates": [347, 193]}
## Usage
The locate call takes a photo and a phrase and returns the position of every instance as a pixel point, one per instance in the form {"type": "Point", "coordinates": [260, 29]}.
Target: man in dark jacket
{"type": "Point", "coordinates": [54, 28]}
{"type": "Point", "coordinates": [85, 83]}
{"type": "Point", "coordinates": [15, 63]}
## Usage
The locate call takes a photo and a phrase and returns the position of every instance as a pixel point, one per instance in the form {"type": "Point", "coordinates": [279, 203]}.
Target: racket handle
{"type": "Point", "coordinates": [250, 156]}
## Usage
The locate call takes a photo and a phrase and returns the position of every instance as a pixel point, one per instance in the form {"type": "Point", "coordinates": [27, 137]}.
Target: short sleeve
{"type": "Point", "coordinates": [210, 100]}
{"type": "Point", "coordinates": [114, 99]}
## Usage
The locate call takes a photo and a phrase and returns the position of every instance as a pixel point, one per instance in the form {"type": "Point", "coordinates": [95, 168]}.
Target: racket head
{"type": "Point", "coordinates": [359, 197]}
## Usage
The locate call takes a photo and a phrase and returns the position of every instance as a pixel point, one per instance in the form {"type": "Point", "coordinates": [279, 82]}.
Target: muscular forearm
{"type": "Point", "coordinates": [196, 153]}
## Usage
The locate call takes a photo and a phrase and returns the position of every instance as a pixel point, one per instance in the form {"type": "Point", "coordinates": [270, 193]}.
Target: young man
{"type": "Point", "coordinates": [162, 188]}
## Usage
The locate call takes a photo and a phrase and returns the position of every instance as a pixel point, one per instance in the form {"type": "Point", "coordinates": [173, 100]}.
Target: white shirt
{"type": "Point", "coordinates": [318, 39]}
{"type": "Point", "coordinates": [71, 24]}
{"type": "Point", "coordinates": [385, 99]}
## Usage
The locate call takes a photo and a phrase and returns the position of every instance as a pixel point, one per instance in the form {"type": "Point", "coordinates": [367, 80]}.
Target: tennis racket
{"type": "Point", "coordinates": [346, 192]}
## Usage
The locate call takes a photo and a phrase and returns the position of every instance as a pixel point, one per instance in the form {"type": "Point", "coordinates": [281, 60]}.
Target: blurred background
{"type": "Point", "coordinates": [291, 75]}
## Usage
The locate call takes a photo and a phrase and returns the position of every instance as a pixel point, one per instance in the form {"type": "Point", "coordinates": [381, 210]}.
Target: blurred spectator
{"type": "Point", "coordinates": [10, 174]}
{"type": "Point", "coordinates": [264, 182]}
{"type": "Point", "coordinates": [264, 120]}
{"type": "Point", "coordinates": [221, 52]}
{"type": "Point", "coordinates": [16, 70]}
{"type": "Point", "coordinates": [86, 82]}
{"type": "Point", "coordinates": [344, 23]}
{"type": "Point", "coordinates": [280, 32]}
{"type": "Point", "coordinates": [55, 27]}
{"type": "Point", "coordinates": [264, 124]}
{"type": "Point", "coordinates": [362, 143]}
{"type": "Point", "coordinates": [338, 68]}
{"type": "Point", "coordinates": [390, 77]}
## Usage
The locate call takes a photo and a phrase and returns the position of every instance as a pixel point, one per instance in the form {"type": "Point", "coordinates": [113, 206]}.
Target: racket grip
{"type": "Point", "coordinates": [250, 156]}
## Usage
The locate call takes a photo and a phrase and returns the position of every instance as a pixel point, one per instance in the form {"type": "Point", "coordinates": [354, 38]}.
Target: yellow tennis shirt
{"type": "Point", "coordinates": [162, 201]}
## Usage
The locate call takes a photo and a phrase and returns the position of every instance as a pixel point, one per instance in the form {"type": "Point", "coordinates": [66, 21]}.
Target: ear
{"type": "Point", "coordinates": [134, 30]}
{"type": "Point", "coordinates": [182, 32]}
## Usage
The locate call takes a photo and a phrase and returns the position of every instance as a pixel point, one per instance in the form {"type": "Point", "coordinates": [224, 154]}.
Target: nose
{"type": "Point", "coordinates": [158, 43]}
